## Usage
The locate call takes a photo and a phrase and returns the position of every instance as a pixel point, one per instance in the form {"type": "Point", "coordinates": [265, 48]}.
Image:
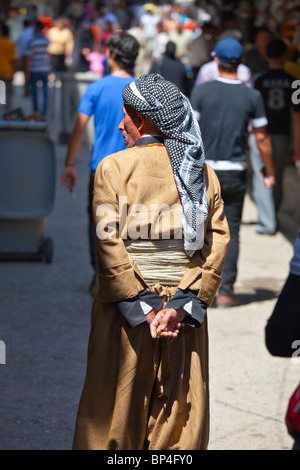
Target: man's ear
{"type": "Point", "coordinates": [139, 121]}
{"type": "Point", "coordinates": [112, 55]}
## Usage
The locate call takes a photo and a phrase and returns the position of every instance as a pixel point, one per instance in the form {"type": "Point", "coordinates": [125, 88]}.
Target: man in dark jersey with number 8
{"type": "Point", "coordinates": [282, 112]}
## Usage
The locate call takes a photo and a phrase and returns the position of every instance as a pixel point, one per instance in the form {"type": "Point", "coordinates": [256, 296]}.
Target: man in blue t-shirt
{"type": "Point", "coordinates": [103, 100]}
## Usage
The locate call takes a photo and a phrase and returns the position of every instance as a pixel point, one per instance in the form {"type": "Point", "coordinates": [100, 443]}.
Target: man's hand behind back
{"type": "Point", "coordinates": [167, 323]}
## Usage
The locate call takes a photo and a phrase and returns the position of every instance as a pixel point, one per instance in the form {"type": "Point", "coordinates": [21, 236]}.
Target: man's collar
{"type": "Point", "coordinates": [149, 139]}
{"type": "Point", "coordinates": [232, 81]}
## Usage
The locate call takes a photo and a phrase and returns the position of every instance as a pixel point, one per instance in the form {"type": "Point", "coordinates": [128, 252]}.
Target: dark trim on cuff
{"type": "Point", "coordinates": [131, 308]}
{"type": "Point", "coordinates": [151, 298]}
{"type": "Point", "coordinates": [199, 308]}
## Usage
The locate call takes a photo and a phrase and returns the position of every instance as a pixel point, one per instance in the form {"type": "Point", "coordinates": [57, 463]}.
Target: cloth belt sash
{"type": "Point", "coordinates": [159, 261]}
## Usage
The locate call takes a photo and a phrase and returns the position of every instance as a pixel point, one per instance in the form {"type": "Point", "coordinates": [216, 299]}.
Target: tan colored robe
{"type": "Point", "coordinates": [126, 404]}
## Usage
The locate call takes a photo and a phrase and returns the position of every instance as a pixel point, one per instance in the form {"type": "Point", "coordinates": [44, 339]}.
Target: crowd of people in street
{"type": "Point", "coordinates": [76, 34]}
{"type": "Point", "coordinates": [180, 87]}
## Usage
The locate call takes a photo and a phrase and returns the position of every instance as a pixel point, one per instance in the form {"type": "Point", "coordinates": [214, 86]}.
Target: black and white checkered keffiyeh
{"type": "Point", "coordinates": [170, 111]}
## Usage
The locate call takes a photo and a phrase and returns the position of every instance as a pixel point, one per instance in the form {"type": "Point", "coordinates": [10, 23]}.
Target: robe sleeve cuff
{"type": "Point", "coordinates": [198, 311]}
{"type": "Point", "coordinates": [131, 308]}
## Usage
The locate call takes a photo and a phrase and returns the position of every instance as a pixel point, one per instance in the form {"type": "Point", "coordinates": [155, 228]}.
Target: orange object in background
{"type": "Point", "coordinates": [97, 34]}
{"type": "Point", "coordinates": [47, 22]}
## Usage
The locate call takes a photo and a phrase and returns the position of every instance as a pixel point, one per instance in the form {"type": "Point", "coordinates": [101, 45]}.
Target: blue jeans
{"type": "Point", "coordinates": [34, 78]}
{"type": "Point", "coordinates": [263, 197]}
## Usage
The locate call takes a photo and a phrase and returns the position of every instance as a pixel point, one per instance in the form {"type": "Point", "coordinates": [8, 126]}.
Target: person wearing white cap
{"type": "Point", "coordinates": [224, 109]}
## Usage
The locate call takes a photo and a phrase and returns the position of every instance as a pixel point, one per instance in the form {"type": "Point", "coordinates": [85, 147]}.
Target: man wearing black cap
{"type": "Point", "coordinates": [224, 108]}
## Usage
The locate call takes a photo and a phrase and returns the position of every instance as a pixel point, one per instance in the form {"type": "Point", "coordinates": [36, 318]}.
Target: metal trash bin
{"type": "Point", "coordinates": [27, 168]}
{"type": "Point", "coordinates": [73, 86]}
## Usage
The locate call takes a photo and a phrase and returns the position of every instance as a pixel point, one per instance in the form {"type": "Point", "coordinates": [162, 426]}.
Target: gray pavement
{"type": "Point", "coordinates": [45, 318]}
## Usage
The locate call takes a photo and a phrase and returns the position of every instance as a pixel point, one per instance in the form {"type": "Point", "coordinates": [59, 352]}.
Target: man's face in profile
{"type": "Point", "coordinates": [128, 126]}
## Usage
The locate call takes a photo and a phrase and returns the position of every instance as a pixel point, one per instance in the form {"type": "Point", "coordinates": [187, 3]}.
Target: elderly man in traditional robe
{"type": "Point", "coordinates": [161, 242]}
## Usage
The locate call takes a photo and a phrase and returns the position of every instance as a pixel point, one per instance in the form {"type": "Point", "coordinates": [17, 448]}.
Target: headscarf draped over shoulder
{"type": "Point", "coordinates": [162, 103]}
